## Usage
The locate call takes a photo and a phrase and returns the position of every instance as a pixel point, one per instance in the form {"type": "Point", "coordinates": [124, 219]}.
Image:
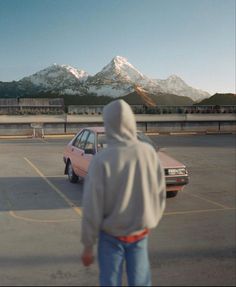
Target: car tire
{"type": "Point", "coordinates": [171, 193]}
{"type": "Point", "coordinates": [71, 174]}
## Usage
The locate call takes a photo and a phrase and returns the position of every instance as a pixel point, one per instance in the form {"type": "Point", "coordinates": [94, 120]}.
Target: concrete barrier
{"type": "Point", "coordinates": [67, 124]}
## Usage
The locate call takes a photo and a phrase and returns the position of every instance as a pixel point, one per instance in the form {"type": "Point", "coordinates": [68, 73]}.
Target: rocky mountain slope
{"type": "Point", "coordinates": [175, 85]}
{"type": "Point", "coordinates": [220, 99]}
{"type": "Point", "coordinates": [116, 79]}
{"type": "Point", "coordinates": [59, 78]}
{"type": "Point", "coordinates": [141, 97]}
{"type": "Point", "coordinates": [119, 78]}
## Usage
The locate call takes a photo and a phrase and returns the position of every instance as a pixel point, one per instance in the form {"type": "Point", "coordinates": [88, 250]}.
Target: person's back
{"type": "Point", "coordinates": [130, 188]}
{"type": "Point", "coordinates": [124, 196]}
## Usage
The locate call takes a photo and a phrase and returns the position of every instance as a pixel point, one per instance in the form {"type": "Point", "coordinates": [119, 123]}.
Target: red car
{"type": "Point", "coordinates": [81, 149]}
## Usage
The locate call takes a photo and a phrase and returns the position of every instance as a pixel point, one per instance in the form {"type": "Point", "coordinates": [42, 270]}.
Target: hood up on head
{"type": "Point", "coordinates": [119, 121]}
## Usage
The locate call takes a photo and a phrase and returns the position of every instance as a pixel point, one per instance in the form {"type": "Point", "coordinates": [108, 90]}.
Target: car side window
{"type": "Point", "coordinates": [90, 144]}
{"type": "Point", "coordinates": [77, 140]}
{"type": "Point", "coordinates": [83, 139]}
{"type": "Point", "coordinates": [101, 141]}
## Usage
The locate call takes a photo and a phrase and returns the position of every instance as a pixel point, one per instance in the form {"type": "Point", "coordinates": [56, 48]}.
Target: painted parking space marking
{"type": "Point", "coordinates": [76, 209]}
{"type": "Point", "coordinates": [197, 211]}
{"type": "Point", "coordinates": [79, 212]}
{"type": "Point", "coordinates": [54, 176]}
{"type": "Point", "coordinates": [209, 201]}
{"type": "Point", "coordinates": [13, 214]}
{"type": "Point", "coordinates": [16, 216]}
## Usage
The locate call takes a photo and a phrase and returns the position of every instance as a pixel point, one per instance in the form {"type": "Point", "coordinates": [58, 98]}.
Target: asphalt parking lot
{"type": "Point", "coordinates": [40, 216]}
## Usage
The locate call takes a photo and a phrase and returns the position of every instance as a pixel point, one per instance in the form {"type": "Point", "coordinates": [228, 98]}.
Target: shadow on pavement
{"type": "Point", "coordinates": [33, 193]}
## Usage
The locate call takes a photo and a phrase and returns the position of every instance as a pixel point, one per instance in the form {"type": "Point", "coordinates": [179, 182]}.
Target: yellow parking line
{"type": "Point", "coordinates": [15, 137]}
{"type": "Point", "coordinates": [79, 211]}
{"type": "Point", "coordinates": [54, 176]}
{"type": "Point", "coordinates": [13, 214]}
{"type": "Point", "coordinates": [197, 211]}
{"type": "Point", "coordinates": [59, 136]}
{"type": "Point", "coordinates": [65, 198]}
{"type": "Point", "coordinates": [208, 200]}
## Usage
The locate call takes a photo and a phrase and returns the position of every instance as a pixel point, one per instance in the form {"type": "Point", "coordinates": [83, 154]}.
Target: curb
{"type": "Point", "coordinates": [220, 133]}
{"type": "Point", "coordinates": [58, 136]}
{"type": "Point", "coordinates": [183, 133]}
{"type": "Point", "coordinates": [16, 137]}
{"type": "Point", "coordinates": [31, 136]}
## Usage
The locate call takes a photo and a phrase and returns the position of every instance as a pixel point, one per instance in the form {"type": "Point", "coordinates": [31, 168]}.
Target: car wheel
{"type": "Point", "coordinates": [171, 193]}
{"type": "Point", "coordinates": [71, 174]}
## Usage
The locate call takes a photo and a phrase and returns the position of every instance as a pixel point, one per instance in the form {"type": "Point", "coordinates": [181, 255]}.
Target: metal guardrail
{"type": "Point", "coordinates": [161, 109]}
{"type": "Point", "coordinates": [39, 125]}
{"type": "Point", "coordinates": [21, 106]}
{"type": "Point", "coordinates": [56, 106]}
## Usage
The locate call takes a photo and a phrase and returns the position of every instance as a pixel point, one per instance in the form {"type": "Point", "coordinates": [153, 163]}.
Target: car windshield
{"type": "Point", "coordinates": [144, 138]}
{"type": "Point", "coordinates": [102, 140]}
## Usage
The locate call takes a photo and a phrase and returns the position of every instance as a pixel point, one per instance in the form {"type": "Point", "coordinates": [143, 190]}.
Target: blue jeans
{"type": "Point", "coordinates": [112, 253]}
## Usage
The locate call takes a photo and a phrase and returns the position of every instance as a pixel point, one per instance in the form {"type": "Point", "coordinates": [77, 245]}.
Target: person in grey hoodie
{"type": "Point", "coordinates": [124, 197]}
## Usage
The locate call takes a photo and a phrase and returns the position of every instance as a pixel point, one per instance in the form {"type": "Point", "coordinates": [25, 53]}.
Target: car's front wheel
{"type": "Point", "coordinates": [71, 174]}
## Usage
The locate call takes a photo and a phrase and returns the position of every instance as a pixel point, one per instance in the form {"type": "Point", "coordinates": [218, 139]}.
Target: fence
{"type": "Point", "coordinates": [37, 106]}
{"type": "Point", "coordinates": [32, 106]}
{"type": "Point", "coordinates": [69, 124]}
{"type": "Point", "coordinates": [141, 109]}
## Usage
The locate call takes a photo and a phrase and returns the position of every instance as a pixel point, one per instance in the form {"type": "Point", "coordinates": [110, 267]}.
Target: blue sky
{"type": "Point", "coordinates": [194, 39]}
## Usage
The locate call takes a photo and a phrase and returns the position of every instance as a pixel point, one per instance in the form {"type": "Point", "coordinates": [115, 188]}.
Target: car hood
{"type": "Point", "coordinates": [168, 161]}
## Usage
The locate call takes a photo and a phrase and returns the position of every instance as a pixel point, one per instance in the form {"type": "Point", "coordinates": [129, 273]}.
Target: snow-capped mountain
{"type": "Point", "coordinates": [116, 79]}
{"type": "Point", "coordinates": [62, 78]}
{"type": "Point", "coordinates": [175, 85]}
{"type": "Point", "coordinates": [119, 78]}
{"type": "Point", "coordinates": [119, 69]}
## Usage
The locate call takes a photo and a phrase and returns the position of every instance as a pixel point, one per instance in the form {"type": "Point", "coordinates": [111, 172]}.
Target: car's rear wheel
{"type": "Point", "coordinates": [71, 174]}
{"type": "Point", "coordinates": [172, 193]}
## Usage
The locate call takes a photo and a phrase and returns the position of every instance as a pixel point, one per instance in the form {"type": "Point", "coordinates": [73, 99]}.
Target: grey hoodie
{"type": "Point", "coordinates": [124, 190]}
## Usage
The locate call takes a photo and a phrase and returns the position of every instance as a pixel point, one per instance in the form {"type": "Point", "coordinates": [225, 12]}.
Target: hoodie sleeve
{"type": "Point", "coordinates": [92, 204]}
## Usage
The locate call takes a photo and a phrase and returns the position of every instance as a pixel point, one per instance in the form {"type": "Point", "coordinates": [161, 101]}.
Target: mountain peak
{"type": "Point", "coordinates": [63, 78]}
{"type": "Point", "coordinates": [175, 85]}
{"type": "Point", "coordinates": [116, 64]}
{"type": "Point", "coordinates": [119, 60]}
{"type": "Point", "coordinates": [120, 66]}
{"type": "Point", "coordinates": [174, 78]}
{"type": "Point", "coordinates": [57, 71]}
{"type": "Point", "coordinates": [117, 78]}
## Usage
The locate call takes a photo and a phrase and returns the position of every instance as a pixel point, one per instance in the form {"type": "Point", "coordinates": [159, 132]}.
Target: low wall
{"type": "Point", "coordinates": [67, 124]}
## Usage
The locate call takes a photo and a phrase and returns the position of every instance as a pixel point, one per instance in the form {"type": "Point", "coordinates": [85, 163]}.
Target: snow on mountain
{"type": "Point", "coordinates": [175, 85]}
{"type": "Point", "coordinates": [116, 79]}
{"type": "Point", "coordinates": [120, 69]}
{"type": "Point", "coordinates": [63, 78]}
{"type": "Point", "coordinates": [119, 78]}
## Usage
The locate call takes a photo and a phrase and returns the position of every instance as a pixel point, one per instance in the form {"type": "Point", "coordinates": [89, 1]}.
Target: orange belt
{"type": "Point", "coordinates": [133, 238]}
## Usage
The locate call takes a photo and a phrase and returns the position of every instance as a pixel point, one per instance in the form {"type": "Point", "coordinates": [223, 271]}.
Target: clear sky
{"type": "Point", "coordinates": [194, 39]}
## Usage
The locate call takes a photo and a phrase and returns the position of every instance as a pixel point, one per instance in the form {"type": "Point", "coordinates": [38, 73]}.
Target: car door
{"type": "Point", "coordinates": [89, 151]}
{"type": "Point", "coordinates": [77, 154]}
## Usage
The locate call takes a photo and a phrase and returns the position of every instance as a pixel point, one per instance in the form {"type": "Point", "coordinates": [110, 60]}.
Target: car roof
{"type": "Point", "coordinates": [100, 129]}
{"type": "Point", "coordinates": [96, 129]}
